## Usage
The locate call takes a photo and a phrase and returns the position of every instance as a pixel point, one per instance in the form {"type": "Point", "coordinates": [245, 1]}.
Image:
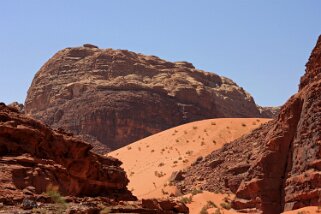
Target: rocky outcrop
{"type": "Point", "coordinates": [50, 171]}
{"type": "Point", "coordinates": [118, 96]}
{"type": "Point", "coordinates": [33, 157]}
{"type": "Point", "coordinates": [277, 167]}
{"type": "Point", "coordinates": [269, 112]}
{"type": "Point", "coordinates": [20, 107]}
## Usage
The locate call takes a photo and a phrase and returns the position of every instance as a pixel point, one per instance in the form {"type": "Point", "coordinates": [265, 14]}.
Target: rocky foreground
{"type": "Point", "coordinates": [49, 171]}
{"type": "Point", "coordinates": [278, 166]}
{"type": "Point", "coordinates": [116, 97]}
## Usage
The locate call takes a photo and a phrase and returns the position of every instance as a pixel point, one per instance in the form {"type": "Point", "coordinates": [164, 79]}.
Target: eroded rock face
{"type": "Point", "coordinates": [269, 112]}
{"type": "Point", "coordinates": [33, 157]}
{"type": "Point", "coordinates": [278, 166]}
{"type": "Point", "coordinates": [118, 97]}
{"type": "Point", "coordinates": [36, 160]}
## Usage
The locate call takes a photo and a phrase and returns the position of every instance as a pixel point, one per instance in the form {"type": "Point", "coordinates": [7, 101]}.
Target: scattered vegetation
{"type": "Point", "coordinates": [159, 174]}
{"type": "Point", "coordinates": [213, 123]}
{"type": "Point", "coordinates": [175, 162]}
{"type": "Point", "coordinates": [129, 147]}
{"type": "Point", "coordinates": [161, 164]}
{"type": "Point", "coordinates": [226, 205]}
{"type": "Point", "coordinates": [254, 123]}
{"type": "Point", "coordinates": [131, 174]}
{"type": "Point", "coordinates": [194, 127]}
{"type": "Point", "coordinates": [152, 150]}
{"type": "Point", "coordinates": [177, 140]}
{"type": "Point", "coordinates": [243, 124]}
{"type": "Point", "coordinates": [53, 193]}
{"type": "Point", "coordinates": [217, 211]}
{"type": "Point", "coordinates": [227, 127]}
{"type": "Point", "coordinates": [202, 143]}
{"type": "Point", "coordinates": [189, 152]}
{"type": "Point", "coordinates": [187, 200]}
{"type": "Point", "coordinates": [180, 158]}
{"type": "Point", "coordinates": [139, 149]}
{"type": "Point", "coordinates": [205, 130]}
{"type": "Point", "coordinates": [204, 210]}
{"type": "Point", "coordinates": [185, 161]}
{"type": "Point", "coordinates": [211, 204]}
{"type": "Point", "coordinates": [196, 191]}
{"type": "Point", "coordinates": [214, 141]}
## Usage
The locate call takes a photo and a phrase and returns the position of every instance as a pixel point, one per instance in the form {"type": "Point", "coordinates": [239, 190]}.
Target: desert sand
{"type": "Point", "coordinates": [150, 162]}
{"type": "Point", "coordinates": [209, 201]}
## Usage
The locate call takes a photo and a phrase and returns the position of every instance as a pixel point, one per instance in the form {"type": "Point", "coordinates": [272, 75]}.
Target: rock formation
{"type": "Point", "coordinates": [20, 107]}
{"type": "Point", "coordinates": [277, 167]}
{"type": "Point", "coordinates": [36, 160]}
{"type": "Point", "coordinates": [36, 156]}
{"type": "Point", "coordinates": [117, 97]}
{"type": "Point", "coordinates": [269, 112]}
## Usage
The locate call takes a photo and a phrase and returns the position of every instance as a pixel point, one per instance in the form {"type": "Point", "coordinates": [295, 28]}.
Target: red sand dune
{"type": "Point", "coordinates": [150, 162]}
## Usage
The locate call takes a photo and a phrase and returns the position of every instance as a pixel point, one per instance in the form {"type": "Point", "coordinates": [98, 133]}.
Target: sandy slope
{"type": "Point", "coordinates": [211, 202]}
{"type": "Point", "coordinates": [150, 161]}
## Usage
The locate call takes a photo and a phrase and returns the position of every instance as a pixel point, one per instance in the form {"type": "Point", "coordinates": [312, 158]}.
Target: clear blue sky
{"type": "Point", "coordinates": [262, 45]}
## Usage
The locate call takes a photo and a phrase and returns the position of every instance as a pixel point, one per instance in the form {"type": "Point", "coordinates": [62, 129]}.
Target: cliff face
{"type": "Point", "coordinates": [278, 166]}
{"type": "Point", "coordinates": [117, 97]}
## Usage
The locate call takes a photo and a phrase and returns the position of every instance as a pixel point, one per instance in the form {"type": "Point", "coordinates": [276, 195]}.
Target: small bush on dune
{"type": "Point", "coordinates": [187, 200]}
{"type": "Point", "coordinates": [161, 164]}
{"type": "Point", "coordinates": [211, 204]}
{"type": "Point", "coordinates": [226, 205]}
{"type": "Point", "coordinates": [159, 174]}
{"type": "Point", "coordinates": [196, 191]}
{"type": "Point", "coordinates": [204, 210]}
{"type": "Point", "coordinates": [217, 211]}
{"type": "Point", "coordinates": [189, 152]}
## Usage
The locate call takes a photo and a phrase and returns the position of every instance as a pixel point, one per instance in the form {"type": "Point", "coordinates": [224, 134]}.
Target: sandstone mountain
{"type": "Point", "coordinates": [38, 163]}
{"type": "Point", "coordinates": [278, 166]}
{"type": "Point", "coordinates": [115, 97]}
